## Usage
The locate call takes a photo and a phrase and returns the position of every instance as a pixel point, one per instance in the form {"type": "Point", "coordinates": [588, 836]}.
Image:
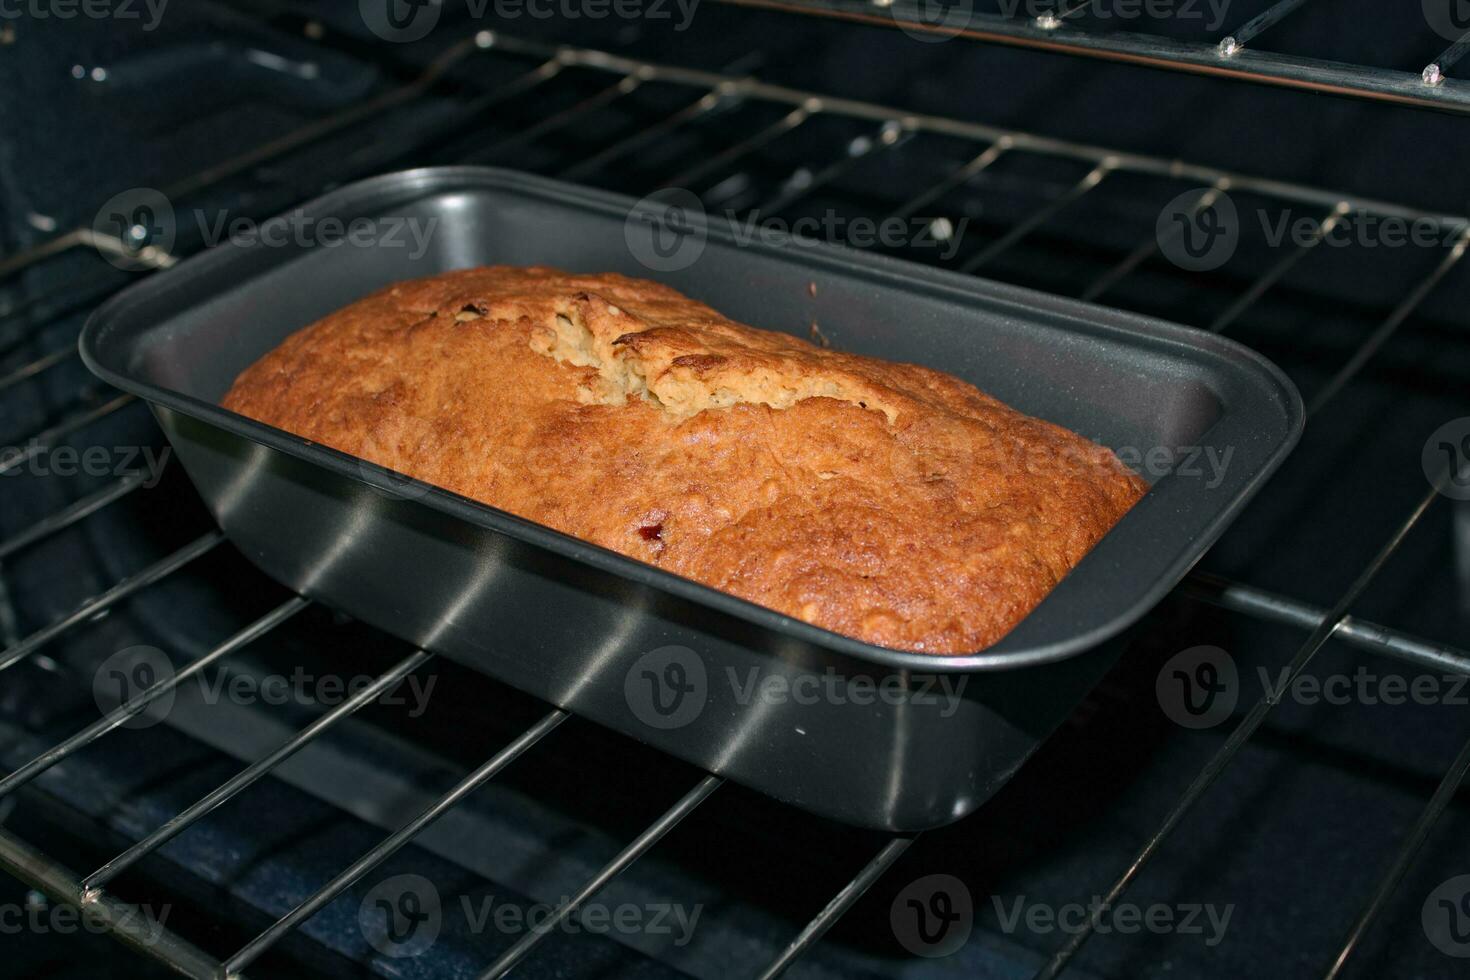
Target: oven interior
{"type": "Point", "coordinates": [1327, 826]}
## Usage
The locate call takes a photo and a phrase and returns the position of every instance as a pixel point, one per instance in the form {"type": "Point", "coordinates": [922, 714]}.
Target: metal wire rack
{"type": "Point", "coordinates": [706, 92]}
{"type": "Point", "coordinates": [1233, 54]}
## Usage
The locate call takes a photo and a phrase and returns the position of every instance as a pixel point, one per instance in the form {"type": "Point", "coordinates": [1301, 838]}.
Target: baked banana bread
{"type": "Point", "coordinates": [889, 502]}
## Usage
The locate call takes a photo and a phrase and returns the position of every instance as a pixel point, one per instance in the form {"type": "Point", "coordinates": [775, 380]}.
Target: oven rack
{"type": "Point", "coordinates": [547, 63]}
{"type": "Point", "coordinates": [1232, 55]}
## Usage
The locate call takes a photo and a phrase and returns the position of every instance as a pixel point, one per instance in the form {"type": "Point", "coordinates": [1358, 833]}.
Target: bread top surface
{"type": "Point", "coordinates": [888, 502]}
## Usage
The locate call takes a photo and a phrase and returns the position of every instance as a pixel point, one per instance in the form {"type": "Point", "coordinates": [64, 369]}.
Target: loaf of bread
{"type": "Point", "coordinates": [888, 502]}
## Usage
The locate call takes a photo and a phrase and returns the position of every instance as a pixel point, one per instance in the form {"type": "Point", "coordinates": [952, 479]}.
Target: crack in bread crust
{"type": "Point", "coordinates": [685, 373]}
{"type": "Point", "coordinates": [889, 502]}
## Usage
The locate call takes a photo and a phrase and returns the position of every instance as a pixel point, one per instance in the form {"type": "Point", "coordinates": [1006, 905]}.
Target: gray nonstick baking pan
{"type": "Point", "coordinates": [867, 735]}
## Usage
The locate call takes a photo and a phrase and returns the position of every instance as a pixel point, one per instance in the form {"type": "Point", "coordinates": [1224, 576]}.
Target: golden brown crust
{"type": "Point", "coordinates": [888, 502]}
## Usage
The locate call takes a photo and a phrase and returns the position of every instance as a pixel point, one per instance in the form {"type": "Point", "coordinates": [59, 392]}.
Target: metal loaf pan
{"type": "Point", "coordinates": [872, 736]}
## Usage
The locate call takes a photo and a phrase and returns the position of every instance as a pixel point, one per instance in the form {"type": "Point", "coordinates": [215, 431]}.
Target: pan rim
{"type": "Point", "coordinates": [420, 182]}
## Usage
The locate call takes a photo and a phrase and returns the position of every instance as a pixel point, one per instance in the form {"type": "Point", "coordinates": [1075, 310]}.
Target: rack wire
{"type": "Point", "coordinates": [1230, 56]}
{"type": "Point", "coordinates": [90, 892]}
